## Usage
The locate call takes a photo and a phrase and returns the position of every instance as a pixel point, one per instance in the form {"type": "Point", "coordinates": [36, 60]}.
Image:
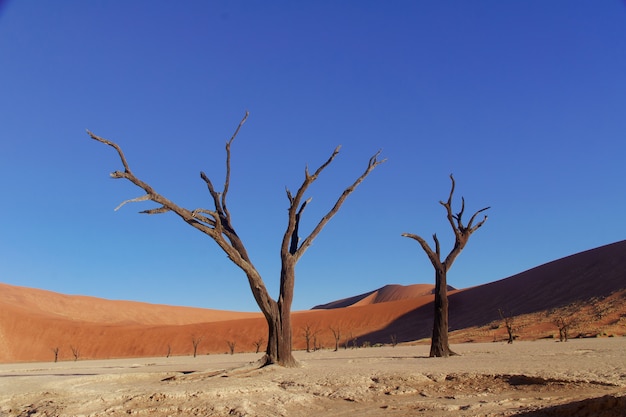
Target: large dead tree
{"type": "Point", "coordinates": [217, 224]}
{"type": "Point", "coordinates": [439, 344]}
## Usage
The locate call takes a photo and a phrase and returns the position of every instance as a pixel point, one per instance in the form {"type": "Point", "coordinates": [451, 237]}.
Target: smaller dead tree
{"type": "Point", "coordinates": [508, 323]}
{"type": "Point", "coordinates": [169, 350]}
{"type": "Point", "coordinates": [355, 343]}
{"type": "Point", "coordinates": [316, 346]}
{"type": "Point", "coordinates": [439, 346]}
{"type": "Point", "coordinates": [75, 352]}
{"type": "Point", "coordinates": [394, 340]}
{"type": "Point", "coordinates": [257, 344]}
{"type": "Point", "coordinates": [351, 341]}
{"type": "Point", "coordinates": [309, 335]}
{"type": "Point", "coordinates": [564, 326]}
{"type": "Point", "coordinates": [195, 341]}
{"type": "Point", "coordinates": [55, 350]}
{"type": "Point", "coordinates": [336, 335]}
{"type": "Point", "coordinates": [231, 346]}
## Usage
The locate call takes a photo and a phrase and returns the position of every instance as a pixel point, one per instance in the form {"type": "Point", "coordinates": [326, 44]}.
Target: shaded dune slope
{"type": "Point", "coordinates": [581, 277]}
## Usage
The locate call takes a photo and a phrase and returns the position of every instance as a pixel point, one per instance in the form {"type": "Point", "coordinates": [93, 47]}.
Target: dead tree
{"type": "Point", "coordinates": [257, 344]}
{"type": "Point", "coordinates": [355, 342]}
{"type": "Point", "coordinates": [508, 323]}
{"type": "Point", "coordinates": [316, 346]}
{"type": "Point", "coordinates": [346, 342]}
{"type": "Point", "coordinates": [336, 335]}
{"type": "Point", "coordinates": [394, 339]}
{"type": "Point", "coordinates": [563, 326]}
{"type": "Point", "coordinates": [195, 341]}
{"type": "Point", "coordinates": [55, 350]}
{"type": "Point", "coordinates": [231, 346]}
{"type": "Point", "coordinates": [75, 352]}
{"type": "Point", "coordinates": [439, 344]}
{"type": "Point", "coordinates": [309, 334]}
{"type": "Point", "coordinates": [217, 224]}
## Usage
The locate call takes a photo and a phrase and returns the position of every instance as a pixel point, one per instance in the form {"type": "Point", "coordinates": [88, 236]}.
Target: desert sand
{"type": "Point", "coordinates": [582, 377]}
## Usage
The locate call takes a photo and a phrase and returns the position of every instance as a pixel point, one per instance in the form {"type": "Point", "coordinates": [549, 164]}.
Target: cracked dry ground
{"type": "Point", "coordinates": [532, 379]}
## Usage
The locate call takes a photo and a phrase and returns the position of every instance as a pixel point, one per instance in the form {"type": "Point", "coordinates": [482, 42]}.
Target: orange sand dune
{"type": "Point", "coordinates": [392, 292]}
{"type": "Point", "coordinates": [34, 322]}
{"type": "Point", "coordinates": [97, 310]}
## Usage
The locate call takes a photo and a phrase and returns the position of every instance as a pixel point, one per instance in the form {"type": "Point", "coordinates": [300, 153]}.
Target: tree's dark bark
{"type": "Point", "coordinates": [439, 346]}
{"type": "Point", "coordinates": [280, 336]}
{"type": "Point", "coordinates": [278, 351]}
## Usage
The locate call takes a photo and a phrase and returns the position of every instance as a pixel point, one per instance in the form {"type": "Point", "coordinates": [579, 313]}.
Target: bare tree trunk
{"type": "Point", "coordinates": [195, 340]}
{"type": "Point", "coordinates": [439, 346]}
{"type": "Point", "coordinates": [278, 317]}
{"type": "Point", "coordinates": [336, 335]}
{"type": "Point", "coordinates": [55, 350]}
{"type": "Point", "coordinates": [279, 340]}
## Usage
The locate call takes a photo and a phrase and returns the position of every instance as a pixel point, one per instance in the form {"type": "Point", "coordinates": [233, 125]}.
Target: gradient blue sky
{"type": "Point", "coordinates": [525, 102]}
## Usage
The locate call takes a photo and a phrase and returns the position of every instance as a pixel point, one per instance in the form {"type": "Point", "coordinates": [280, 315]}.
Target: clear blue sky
{"type": "Point", "coordinates": [525, 102]}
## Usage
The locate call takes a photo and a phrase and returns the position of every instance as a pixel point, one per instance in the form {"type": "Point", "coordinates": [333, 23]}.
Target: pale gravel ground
{"type": "Point", "coordinates": [488, 379]}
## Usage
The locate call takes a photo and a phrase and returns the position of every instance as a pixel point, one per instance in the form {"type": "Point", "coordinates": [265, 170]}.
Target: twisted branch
{"type": "Point", "coordinates": [217, 227]}
{"type": "Point", "coordinates": [292, 230]}
{"type": "Point", "coordinates": [461, 232]}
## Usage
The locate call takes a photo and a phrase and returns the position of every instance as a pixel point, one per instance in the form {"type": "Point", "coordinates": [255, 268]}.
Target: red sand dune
{"type": "Point", "coordinates": [392, 292]}
{"type": "Point", "coordinates": [33, 322]}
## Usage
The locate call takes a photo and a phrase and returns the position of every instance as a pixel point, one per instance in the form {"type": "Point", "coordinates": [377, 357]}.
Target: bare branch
{"type": "Point", "coordinates": [459, 215]}
{"type": "Point", "coordinates": [372, 163]}
{"type": "Point", "coordinates": [289, 196]}
{"type": "Point", "coordinates": [448, 206]}
{"type": "Point", "coordinates": [233, 248]}
{"type": "Point", "coordinates": [308, 200]}
{"type": "Point", "coordinates": [469, 225]}
{"type": "Point", "coordinates": [294, 203]}
{"type": "Point", "coordinates": [114, 145]}
{"type": "Point", "coordinates": [432, 255]}
{"type": "Point", "coordinates": [158, 210]}
{"type": "Point", "coordinates": [196, 215]}
{"type": "Point", "coordinates": [451, 190]}
{"type": "Point", "coordinates": [294, 235]}
{"type": "Point", "coordinates": [133, 200]}
{"type": "Point", "coordinates": [227, 180]}
{"type": "Point", "coordinates": [323, 166]}
{"type": "Point", "coordinates": [214, 194]}
{"type": "Point", "coordinates": [437, 246]}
